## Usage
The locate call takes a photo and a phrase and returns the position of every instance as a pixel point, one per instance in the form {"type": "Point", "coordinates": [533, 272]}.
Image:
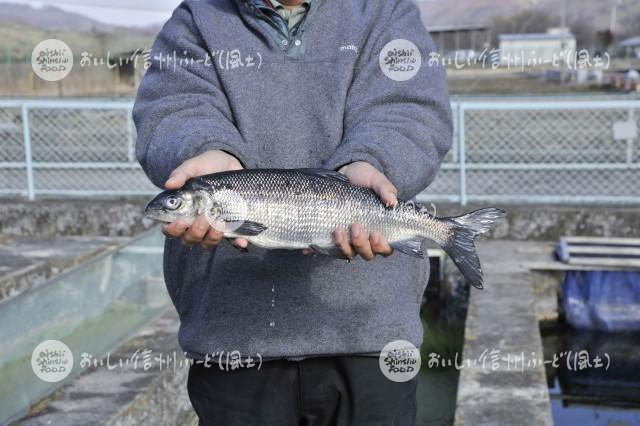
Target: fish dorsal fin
{"type": "Point", "coordinates": [325, 174]}
{"type": "Point", "coordinates": [196, 184]}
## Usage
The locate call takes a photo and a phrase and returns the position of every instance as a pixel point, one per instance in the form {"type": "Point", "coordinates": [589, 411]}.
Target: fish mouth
{"type": "Point", "coordinates": [158, 215]}
{"type": "Point", "coordinates": [167, 217]}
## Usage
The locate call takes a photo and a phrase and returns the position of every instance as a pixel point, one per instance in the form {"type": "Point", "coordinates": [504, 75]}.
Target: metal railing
{"type": "Point", "coordinates": [69, 148]}
{"type": "Point", "coordinates": [541, 152]}
{"type": "Point", "coordinates": [529, 151]}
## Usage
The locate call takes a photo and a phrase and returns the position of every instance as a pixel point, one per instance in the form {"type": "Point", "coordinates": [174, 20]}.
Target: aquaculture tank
{"type": "Point", "coordinates": [91, 308]}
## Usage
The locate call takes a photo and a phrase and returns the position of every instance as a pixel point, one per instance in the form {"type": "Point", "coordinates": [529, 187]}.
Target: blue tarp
{"type": "Point", "coordinates": [602, 300]}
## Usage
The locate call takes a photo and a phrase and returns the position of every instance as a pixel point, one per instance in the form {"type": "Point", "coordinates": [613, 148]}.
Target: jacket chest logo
{"type": "Point", "coordinates": [349, 47]}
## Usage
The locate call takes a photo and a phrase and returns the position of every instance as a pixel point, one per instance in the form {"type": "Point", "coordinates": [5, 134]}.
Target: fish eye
{"type": "Point", "coordinates": [172, 202]}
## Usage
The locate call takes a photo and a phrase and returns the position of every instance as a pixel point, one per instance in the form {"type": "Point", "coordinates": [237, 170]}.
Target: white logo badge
{"type": "Point", "coordinates": [400, 361]}
{"type": "Point", "coordinates": [52, 59]}
{"type": "Point", "coordinates": [400, 60]}
{"type": "Point", "coordinates": [52, 361]}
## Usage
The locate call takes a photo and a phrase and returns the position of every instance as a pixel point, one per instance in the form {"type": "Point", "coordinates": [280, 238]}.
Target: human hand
{"type": "Point", "coordinates": [358, 241]}
{"type": "Point", "coordinates": [201, 230]}
{"type": "Point", "coordinates": [364, 174]}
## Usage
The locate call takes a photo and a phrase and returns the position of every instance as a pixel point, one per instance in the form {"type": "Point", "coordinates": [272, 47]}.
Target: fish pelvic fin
{"type": "Point", "coordinates": [412, 247]}
{"type": "Point", "coordinates": [460, 244]}
{"type": "Point", "coordinates": [333, 251]}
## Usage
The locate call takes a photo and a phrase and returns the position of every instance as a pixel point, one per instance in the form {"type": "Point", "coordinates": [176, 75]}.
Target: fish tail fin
{"type": "Point", "coordinates": [459, 244]}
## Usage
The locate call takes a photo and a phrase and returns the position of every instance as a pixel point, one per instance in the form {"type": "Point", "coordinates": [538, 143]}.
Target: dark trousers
{"type": "Point", "coordinates": [345, 390]}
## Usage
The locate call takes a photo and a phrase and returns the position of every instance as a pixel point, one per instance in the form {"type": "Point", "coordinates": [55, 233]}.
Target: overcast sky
{"type": "Point", "coordinates": [118, 12]}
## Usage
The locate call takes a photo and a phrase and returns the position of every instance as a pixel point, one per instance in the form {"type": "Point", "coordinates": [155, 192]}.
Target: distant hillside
{"type": "Point", "coordinates": [17, 42]}
{"type": "Point", "coordinates": [50, 18]}
{"type": "Point", "coordinates": [23, 26]}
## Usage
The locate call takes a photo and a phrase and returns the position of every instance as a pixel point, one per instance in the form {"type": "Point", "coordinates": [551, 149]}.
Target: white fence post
{"type": "Point", "coordinates": [27, 151]}
{"type": "Point", "coordinates": [462, 155]}
{"type": "Point", "coordinates": [131, 150]}
{"type": "Point", "coordinates": [455, 110]}
{"type": "Point", "coordinates": [630, 142]}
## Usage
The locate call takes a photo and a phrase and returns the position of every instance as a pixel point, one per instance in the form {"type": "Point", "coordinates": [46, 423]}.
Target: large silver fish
{"type": "Point", "coordinates": [300, 208]}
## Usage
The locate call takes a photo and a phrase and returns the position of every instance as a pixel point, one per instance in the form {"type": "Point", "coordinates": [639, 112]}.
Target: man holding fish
{"type": "Point", "coordinates": [332, 85]}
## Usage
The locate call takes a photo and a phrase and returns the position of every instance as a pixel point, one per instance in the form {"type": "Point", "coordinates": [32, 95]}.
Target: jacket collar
{"type": "Point", "coordinates": [264, 11]}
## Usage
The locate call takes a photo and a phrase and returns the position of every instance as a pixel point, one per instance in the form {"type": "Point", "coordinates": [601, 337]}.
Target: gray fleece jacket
{"type": "Point", "coordinates": [222, 78]}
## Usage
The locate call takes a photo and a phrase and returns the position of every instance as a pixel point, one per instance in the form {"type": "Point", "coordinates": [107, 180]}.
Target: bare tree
{"type": "Point", "coordinates": [629, 25]}
{"type": "Point", "coordinates": [586, 34]}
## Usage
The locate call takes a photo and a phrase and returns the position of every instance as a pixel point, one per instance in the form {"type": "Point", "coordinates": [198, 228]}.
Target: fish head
{"type": "Point", "coordinates": [171, 205]}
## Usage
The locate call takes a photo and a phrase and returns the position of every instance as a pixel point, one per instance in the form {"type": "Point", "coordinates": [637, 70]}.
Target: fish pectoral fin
{"type": "Point", "coordinates": [247, 228]}
{"type": "Point", "coordinates": [412, 247]}
{"type": "Point", "coordinates": [333, 251]}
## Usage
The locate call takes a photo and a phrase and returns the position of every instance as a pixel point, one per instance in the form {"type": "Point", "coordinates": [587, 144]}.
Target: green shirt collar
{"type": "Point", "coordinates": [292, 16]}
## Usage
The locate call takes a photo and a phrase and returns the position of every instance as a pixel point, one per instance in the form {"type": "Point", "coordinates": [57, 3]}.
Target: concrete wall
{"type": "Point", "coordinates": [95, 217]}
{"type": "Point", "coordinates": [550, 222]}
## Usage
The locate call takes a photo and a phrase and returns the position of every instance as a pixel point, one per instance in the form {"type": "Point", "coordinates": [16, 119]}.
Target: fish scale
{"type": "Point", "coordinates": [300, 208]}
